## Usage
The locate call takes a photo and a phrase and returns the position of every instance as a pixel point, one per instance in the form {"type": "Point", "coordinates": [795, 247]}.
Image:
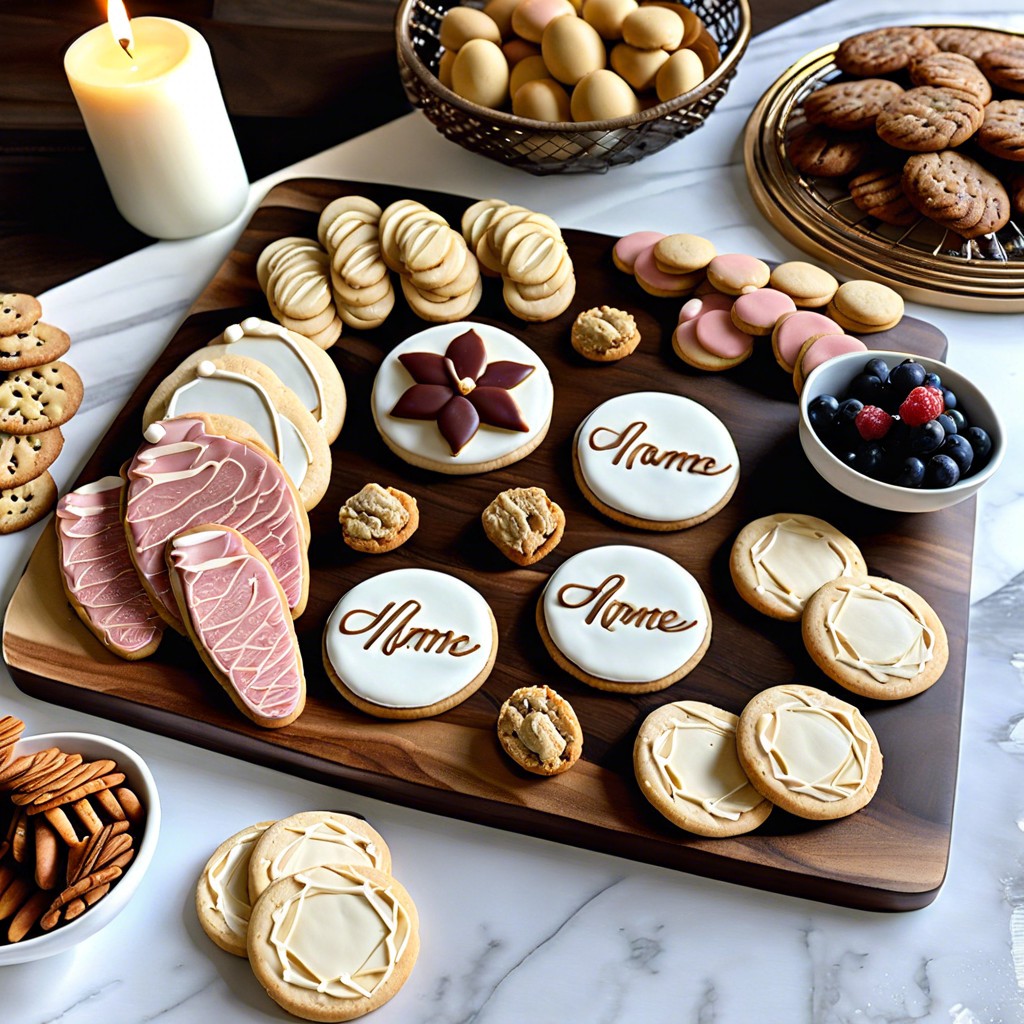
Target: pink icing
{"type": "Point", "coordinates": [827, 347]}
{"type": "Point", "coordinates": [737, 273]}
{"type": "Point", "coordinates": [239, 617]}
{"type": "Point", "coordinates": [721, 337]}
{"type": "Point", "coordinates": [629, 247]}
{"type": "Point", "coordinates": [98, 571]}
{"type": "Point", "coordinates": [695, 307]}
{"type": "Point", "coordinates": [647, 270]}
{"type": "Point", "coordinates": [796, 329]}
{"type": "Point", "coordinates": [191, 477]}
{"type": "Point", "coordinates": [762, 307]}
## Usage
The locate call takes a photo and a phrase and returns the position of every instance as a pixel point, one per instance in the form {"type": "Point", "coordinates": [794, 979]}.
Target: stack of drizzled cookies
{"type": "Point", "coordinates": [67, 832]}
{"type": "Point", "coordinates": [924, 122]}
{"type": "Point", "coordinates": [38, 394]}
{"type": "Point", "coordinates": [273, 891]}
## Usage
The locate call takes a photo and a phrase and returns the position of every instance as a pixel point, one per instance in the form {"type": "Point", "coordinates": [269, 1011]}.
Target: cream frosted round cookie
{"type": "Point", "coordinates": [875, 637]}
{"type": "Point", "coordinates": [462, 398]}
{"type": "Point", "coordinates": [655, 460]}
{"type": "Point", "coordinates": [409, 643]}
{"type": "Point", "coordinates": [808, 752]}
{"type": "Point", "coordinates": [333, 943]}
{"type": "Point", "coordinates": [624, 618]}
{"type": "Point", "coordinates": [222, 892]}
{"type": "Point", "coordinates": [312, 838]}
{"type": "Point", "coordinates": [686, 764]}
{"type": "Point", "coordinates": [778, 561]}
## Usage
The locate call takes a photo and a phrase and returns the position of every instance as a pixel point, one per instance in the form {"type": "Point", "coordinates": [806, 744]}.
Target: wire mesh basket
{"type": "Point", "coordinates": [543, 147]}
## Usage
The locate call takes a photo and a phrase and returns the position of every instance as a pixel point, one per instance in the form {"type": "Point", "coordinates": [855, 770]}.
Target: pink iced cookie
{"type": "Point", "coordinates": [758, 312]}
{"type": "Point", "coordinates": [820, 350]}
{"type": "Point", "coordinates": [792, 332]}
{"type": "Point", "coordinates": [734, 273]}
{"type": "Point", "coordinates": [628, 247]}
{"type": "Point", "coordinates": [721, 337]}
{"type": "Point", "coordinates": [692, 352]}
{"type": "Point", "coordinates": [655, 281]}
{"type": "Point", "coordinates": [698, 306]}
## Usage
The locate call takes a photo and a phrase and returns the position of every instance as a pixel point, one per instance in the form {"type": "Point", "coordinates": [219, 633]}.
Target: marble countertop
{"type": "Point", "coordinates": [520, 929]}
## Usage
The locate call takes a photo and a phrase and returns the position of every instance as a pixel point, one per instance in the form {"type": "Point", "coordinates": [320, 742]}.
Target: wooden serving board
{"type": "Point", "coordinates": [890, 856]}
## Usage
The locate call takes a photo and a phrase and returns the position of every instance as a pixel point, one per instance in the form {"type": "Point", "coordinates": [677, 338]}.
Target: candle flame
{"type": "Point", "coordinates": [120, 25]}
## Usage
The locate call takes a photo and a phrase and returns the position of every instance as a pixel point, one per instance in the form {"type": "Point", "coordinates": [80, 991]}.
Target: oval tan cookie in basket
{"type": "Point", "coordinates": [808, 752]}
{"type": "Point", "coordinates": [376, 519]}
{"type": "Point", "coordinates": [524, 524]}
{"type": "Point", "coordinates": [539, 730]}
{"type": "Point", "coordinates": [686, 765]}
{"type": "Point", "coordinates": [875, 637]}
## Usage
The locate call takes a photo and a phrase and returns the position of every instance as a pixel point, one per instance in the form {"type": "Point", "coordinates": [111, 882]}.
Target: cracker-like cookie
{"type": "Point", "coordinates": [880, 194]}
{"type": "Point", "coordinates": [882, 51]}
{"type": "Point", "coordinates": [376, 520]}
{"type": "Point", "coordinates": [38, 344]}
{"type": "Point", "coordinates": [778, 561]}
{"type": "Point", "coordinates": [929, 118]}
{"type": "Point", "coordinates": [850, 106]}
{"type": "Point", "coordinates": [972, 42]}
{"type": "Point", "coordinates": [539, 730]}
{"type": "Point", "coordinates": [685, 763]}
{"type": "Point", "coordinates": [310, 839]}
{"type": "Point", "coordinates": [23, 457]}
{"type": "Point", "coordinates": [21, 507]}
{"type": "Point", "coordinates": [524, 524]}
{"type": "Point", "coordinates": [875, 637]}
{"type": "Point", "coordinates": [808, 752]}
{"type": "Point", "coordinates": [808, 285]}
{"type": "Point", "coordinates": [824, 154]}
{"type": "Point", "coordinates": [376, 941]}
{"type": "Point", "coordinates": [1002, 131]}
{"type": "Point", "coordinates": [1004, 66]}
{"type": "Point", "coordinates": [18, 312]}
{"type": "Point", "coordinates": [39, 398]}
{"type": "Point", "coordinates": [866, 307]}
{"type": "Point", "coordinates": [624, 619]}
{"type": "Point", "coordinates": [604, 334]}
{"type": "Point", "coordinates": [950, 71]}
{"type": "Point", "coordinates": [222, 892]}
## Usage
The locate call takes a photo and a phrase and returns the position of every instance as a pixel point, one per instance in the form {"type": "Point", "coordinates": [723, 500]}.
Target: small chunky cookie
{"type": "Point", "coordinates": [624, 619]}
{"type": "Point", "coordinates": [808, 752]}
{"type": "Point", "coordinates": [735, 273]}
{"type": "Point", "coordinates": [539, 730]}
{"type": "Point", "coordinates": [951, 71]}
{"type": "Point", "coordinates": [655, 460]}
{"type": "Point", "coordinates": [929, 118]}
{"type": "Point", "coordinates": [237, 615]}
{"type": "Point", "coordinates": [310, 839]}
{"type": "Point", "coordinates": [794, 331]}
{"type": "Point", "coordinates": [874, 637]}
{"type": "Point", "coordinates": [409, 643]}
{"type": "Point", "coordinates": [604, 334]}
{"type": "Point", "coordinates": [683, 254]}
{"type": "Point", "coordinates": [333, 943]}
{"type": "Point", "coordinates": [97, 572]}
{"type": "Point", "coordinates": [38, 344]}
{"type": "Point", "coordinates": [882, 51]}
{"type": "Point", "coordinates": [18, 312]}
{"type": "Point", "coordinates": [685, 763]}
{"type": "Point", "coordinates": [22, 506]}
{"type": "Point", "coordinates": [1002, 131]}
{"type": "Point", "coordinates": [758, 312]}
{"type": "Point", "coordinates": [777, 562]}
{"type": "Point", "coordinates": [376, 520]}
{"type": "Point", "coordinates": [809, 286]}
{"type": "Point", "coordinates": [880, 194]}
{"type": "Point", "coordinates": [824, 154]}
{"type": "Point", "coordinates": [956, 192]}
{"type": "Point", "coordinates": [866, 306]}
{"type": "Point", "coordinates": [23, 457]}
{"type": "Point", "coordinates": [222, 892]}
{"type": "Point", "coordinates": [39, 398]}
{"type": "Point", "coordinates": [462, 398]}
{"type": "Point", "coordinates": [1004, 66]}
{"type": "Point", "coordinates": [972, 42]}
{"type": "Point", "coordinates": [850, 106]}
{"type": "Point", "coordinates": [524, 524]}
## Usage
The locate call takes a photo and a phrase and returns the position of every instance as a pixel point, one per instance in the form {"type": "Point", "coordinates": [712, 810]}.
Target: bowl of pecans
{"type": "Point", "coordinates": [79, 821]}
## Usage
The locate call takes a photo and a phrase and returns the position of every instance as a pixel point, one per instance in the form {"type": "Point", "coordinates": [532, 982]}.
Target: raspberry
{"type": "Point", "coordinates": [921, 405]}
{"type": "Point", "coordinates": [873, 423]}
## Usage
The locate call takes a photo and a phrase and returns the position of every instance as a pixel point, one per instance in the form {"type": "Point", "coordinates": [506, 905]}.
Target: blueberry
{"type": "Point", "coordinates": [898, 437]}
{"type": "Point", "coordinates": [947, 423]}
{"type": "Point", "coordinates": [926, 438]}
{"type": "Point", "coordinates": [941, 471]}
{"type": "Point", "coordinates": [932, 380]}
{"type": "Point", "coordinates": [905, 377]}
{"type": "Point", "coordinates": [821, 412]}
{"type": "Point", "coordinates": [911, 473]}
{"type": "Point", "coordinates": [981, 443]}
{"type": "Point", "coordinates": [958, 418]}
{"type": "Point", "coordinates": [877, 368]}
{"type": "Point", "coordinates": [959, 449]}
{"type": "Point", "coordinates": [848, 457]}
{"type": "Point", "coordinates": [845, 433]}
{"type": "Point", "coordinates": [949, 398]}
{"type": "Point", "coordinates": [868, 388]}
{"type": "Point", "coordinates": [870, 460]}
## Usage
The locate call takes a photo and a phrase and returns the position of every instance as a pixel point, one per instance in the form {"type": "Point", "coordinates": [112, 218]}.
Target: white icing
{"type": "Point", "coordinates": [384, 609]}
{"type": "Point", "coordinates": [616, 442]}
{"type": "Point", "coordinates": [625, 652]}
{"type": "Point", "coordinates": [534, 396]}
{"type": "Point", "coordinates": [101, 486]}
{"type": "Point", "coordinates": [792, 560]}
{"type": "Point", "coordinates": [154, 433]}
{"type": "Point", "coordinates": [228, 882]}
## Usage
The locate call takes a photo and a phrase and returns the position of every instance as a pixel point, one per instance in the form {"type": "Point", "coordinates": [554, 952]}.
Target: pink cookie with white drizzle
{"type": "Point", "coordinates": [97, 572]}
{"type": "Point", "coordinates": [237, 615]}
{"type": "Point", "coordinates": [185, 473]}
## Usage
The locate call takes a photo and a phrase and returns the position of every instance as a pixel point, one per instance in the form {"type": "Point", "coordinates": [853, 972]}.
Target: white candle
{"type": "Point", "coordinates": [159, 126]}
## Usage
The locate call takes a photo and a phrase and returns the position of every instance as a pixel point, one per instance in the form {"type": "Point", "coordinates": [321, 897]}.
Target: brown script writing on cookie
{"type": "Point", "coordinates": [607, 610]}
{"type": "Point", "coordinates": [392, 627]}
{"type": "Point", "coordinates": [629, 449]}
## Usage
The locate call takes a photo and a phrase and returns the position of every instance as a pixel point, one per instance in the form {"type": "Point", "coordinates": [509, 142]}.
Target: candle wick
{"type": "Point", "coordinates": [125, 43]}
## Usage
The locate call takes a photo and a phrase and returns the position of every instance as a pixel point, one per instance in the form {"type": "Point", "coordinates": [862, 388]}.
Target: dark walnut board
{"type": "Point", "coordinates": [890, 856]}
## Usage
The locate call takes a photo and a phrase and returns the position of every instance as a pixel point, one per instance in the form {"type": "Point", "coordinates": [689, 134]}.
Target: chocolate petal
{"type": "Point", "coordinates": [497, 408]}
{"type": "Point", "coordinates": [422, 402]}
{"type": "Point", "coordinates": [425, 367]}
{"type": "Point", "coordinates": [504, 374]}
{"type": "Point", "coordinates": [458, 422]}
{"type": "Point", "coordinates": [468, 355]}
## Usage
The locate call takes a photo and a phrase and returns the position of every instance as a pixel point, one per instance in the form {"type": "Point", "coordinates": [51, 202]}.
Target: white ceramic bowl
{"type": "Point", "coordinates": [139, 779]}
{"type": "Point", "coordinates": [833, 378]}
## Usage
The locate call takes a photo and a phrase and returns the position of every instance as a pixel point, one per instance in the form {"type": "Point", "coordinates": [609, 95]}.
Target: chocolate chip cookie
{"type": "Point", "coordinates": [850, 106]}
{"type": "Point", "coordinates": [882, 51]}
{"type": "Point", "coordinates": [1002, 131]}
{"type": "Point", "coordinates": [878, 192]}
{"type": "Point", "coordinates": [928, 118]}
{"type": "Point", "coordinates": [950, 71]}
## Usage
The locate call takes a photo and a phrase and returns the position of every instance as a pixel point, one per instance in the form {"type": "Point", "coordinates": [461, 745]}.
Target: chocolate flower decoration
{"type": "Point", "coordinates": [461, 390]}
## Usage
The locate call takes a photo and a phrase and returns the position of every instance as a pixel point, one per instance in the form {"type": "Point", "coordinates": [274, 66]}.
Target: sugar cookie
{"type": "Point", "coordinates": [792, 332]}
{"type": "Point", "coordinates": [809, 286]}
{"type": "Point", "coordinates": [758, 312]}
{"type": "Point", "coordinates": [734, 273]}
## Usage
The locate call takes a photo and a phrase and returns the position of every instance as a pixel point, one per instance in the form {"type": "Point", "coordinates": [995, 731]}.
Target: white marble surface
{"type": "Point", "coordinates": [517, 929]}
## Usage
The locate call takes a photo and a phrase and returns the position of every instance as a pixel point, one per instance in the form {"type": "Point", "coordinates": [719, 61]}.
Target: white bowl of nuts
{"type": "Point", "coordinates": [79, 821]}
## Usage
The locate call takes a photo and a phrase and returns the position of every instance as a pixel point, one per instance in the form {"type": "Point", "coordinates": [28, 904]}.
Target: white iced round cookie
{"type": "Point", "coordinates": [409, 643]}
{"type": "Point", "coordinates": [624, 618]}
{"type": "Point", "coordinates": [655, 460]}
{"type": "Point", "coordinates": [462, 398]}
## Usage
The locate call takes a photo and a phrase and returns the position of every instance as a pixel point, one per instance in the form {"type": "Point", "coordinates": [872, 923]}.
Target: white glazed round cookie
{"type": "Point", "coordinates": [655, 460]}
{"type": "Point", "coordinates": [624, 618]}
{"type": "Point", "coordinates": [222, 892]}
{"type": "Point", "coordinates": [480, 399]}
{"type": "Point", "coordinates": [409, 643]}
